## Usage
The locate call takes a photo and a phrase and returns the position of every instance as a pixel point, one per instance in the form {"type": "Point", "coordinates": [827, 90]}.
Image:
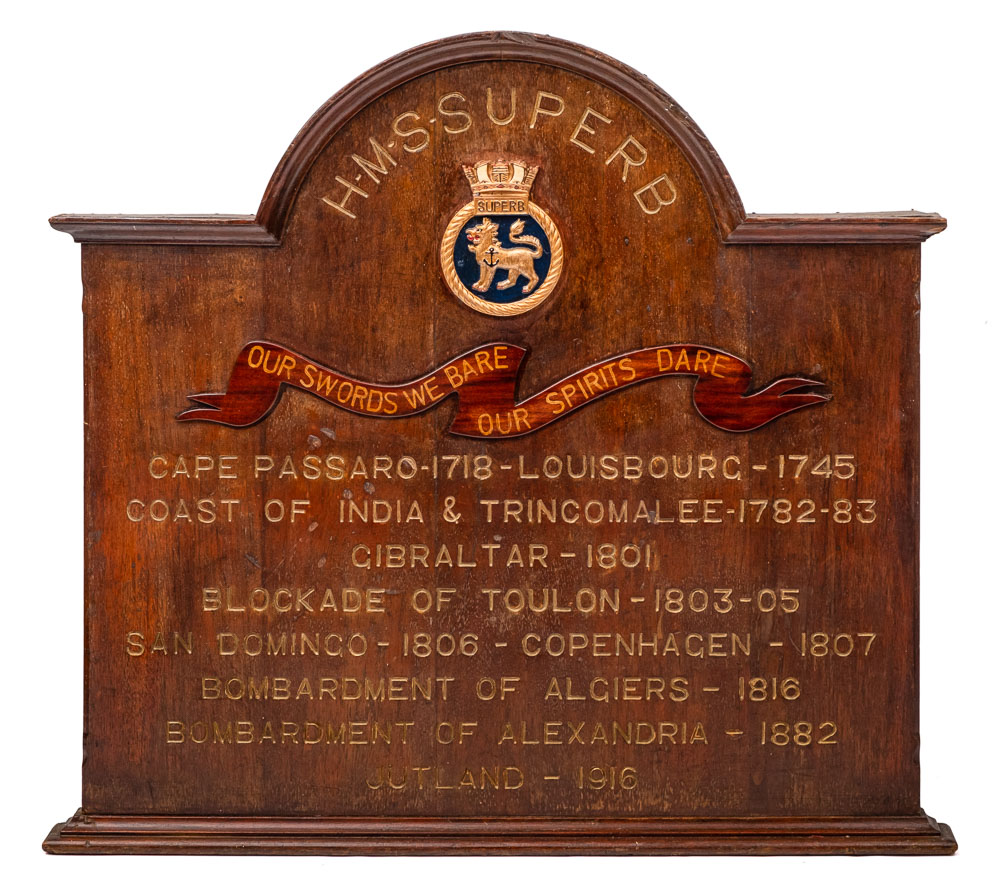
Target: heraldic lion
{"type": "Point", "coordinates": [491, 256]}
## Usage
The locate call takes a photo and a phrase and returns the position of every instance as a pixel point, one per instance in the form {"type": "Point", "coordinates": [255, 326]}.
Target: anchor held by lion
{"type": "Point", "coordinates": [492, 256]}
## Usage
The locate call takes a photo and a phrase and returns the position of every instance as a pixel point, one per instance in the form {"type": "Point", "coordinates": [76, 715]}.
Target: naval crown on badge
{"type": "Point", "coordinates": [501, 187]}
{"type": "Point", "coordinates": [501, 254]}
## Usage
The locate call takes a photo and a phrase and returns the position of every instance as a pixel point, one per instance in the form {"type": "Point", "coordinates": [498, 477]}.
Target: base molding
{"type": "Point", "coordinates": [255, 835]}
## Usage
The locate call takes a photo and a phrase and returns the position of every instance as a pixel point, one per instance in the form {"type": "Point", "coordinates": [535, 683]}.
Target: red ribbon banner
{"type": "Point", "coordinates": [485, 381]}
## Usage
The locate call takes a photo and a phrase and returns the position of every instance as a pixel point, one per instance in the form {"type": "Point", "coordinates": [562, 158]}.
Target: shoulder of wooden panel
{"type": "Point", "coordinates": [266, 227]}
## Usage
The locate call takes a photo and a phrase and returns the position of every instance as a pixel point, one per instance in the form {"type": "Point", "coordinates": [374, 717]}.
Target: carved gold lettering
{"type": "Point", "coordinates": [373, 169]}
{"type": "Point", "coordinates": [652, 189]}
{"type": "Point", "coordinates": [629, 160]}
{"type": "Point", "coordinates": [341, 204]}
{"type": "Point", "coordinates": [451, 112]}
{"type": "Point", "coordinates": [489, 108]}
{"type": "Point", "coordinates": [582, 126]}
{"type": "Point", "coordinates": [406, 134]}
{"type": "Point", "coordinates": [556, 108]}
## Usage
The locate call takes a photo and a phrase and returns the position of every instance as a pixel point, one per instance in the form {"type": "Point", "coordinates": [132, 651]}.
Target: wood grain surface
{"type": "Point", "coordinates": [812, 518]}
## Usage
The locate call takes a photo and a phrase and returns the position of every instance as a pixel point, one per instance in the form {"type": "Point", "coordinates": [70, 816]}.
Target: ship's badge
{"type": "Point", "coordinates": [501, 253]}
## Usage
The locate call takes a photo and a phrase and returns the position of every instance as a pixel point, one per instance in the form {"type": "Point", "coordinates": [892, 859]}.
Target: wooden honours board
{"type": "Point", "coordinates": [501, 486]}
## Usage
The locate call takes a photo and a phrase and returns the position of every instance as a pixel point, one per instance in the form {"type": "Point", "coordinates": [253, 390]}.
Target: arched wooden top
{"type": "Point", "coordinates": [266, 227]}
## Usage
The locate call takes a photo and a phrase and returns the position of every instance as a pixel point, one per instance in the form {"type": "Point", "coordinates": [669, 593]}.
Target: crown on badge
{"type": "Point", "coordinates": [501, 185]}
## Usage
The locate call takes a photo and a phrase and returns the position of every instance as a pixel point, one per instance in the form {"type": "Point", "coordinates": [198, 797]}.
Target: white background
{"type": "Point", "coordinates": [186, 107]}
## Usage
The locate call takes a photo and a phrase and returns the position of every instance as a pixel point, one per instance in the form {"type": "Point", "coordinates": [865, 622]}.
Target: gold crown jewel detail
{"type": "Point", "coordinates": [501, 186]}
